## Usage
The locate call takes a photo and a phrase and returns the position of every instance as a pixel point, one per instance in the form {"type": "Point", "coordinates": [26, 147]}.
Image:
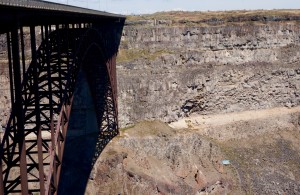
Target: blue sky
{"type": "Point", "coordinates": [150, 6]}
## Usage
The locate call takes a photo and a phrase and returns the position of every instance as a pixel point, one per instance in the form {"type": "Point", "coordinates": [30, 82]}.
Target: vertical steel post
{"type": "Point", "coordinates": [114, 84]}
{"type": "Point", "coordinates": [11, 80]}
{"type": "Point", "coordinates": [50, 99]}
{"type": "Point", "coordinates": [18, 108]}
{"type": "Point", "coordinates": [23, 52]}
{"type": "Point", "coordinates": [42, 32]}
{"type": "Point", "coordinates": [59, 61]}
{"type": "Point", "coordinates": [68, 43]}
{"type": "Point", "coordinates": [54, 174]}
{"type": "Point", "coordinates": [37, 110]}
{"type": "Point", "coordinates": [49, 69]}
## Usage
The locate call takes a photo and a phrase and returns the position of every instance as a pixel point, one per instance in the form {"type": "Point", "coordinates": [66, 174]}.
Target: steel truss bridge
{"type": "Point", "coordinates": [46, 46]}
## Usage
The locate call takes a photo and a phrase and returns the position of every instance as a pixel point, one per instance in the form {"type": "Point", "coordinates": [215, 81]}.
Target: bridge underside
{"type": "Point", "coordinates": [42, 93]}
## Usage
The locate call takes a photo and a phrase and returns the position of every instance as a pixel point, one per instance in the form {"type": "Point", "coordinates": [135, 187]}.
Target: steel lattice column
{"type": "Point", "coordinates": [32, 147]}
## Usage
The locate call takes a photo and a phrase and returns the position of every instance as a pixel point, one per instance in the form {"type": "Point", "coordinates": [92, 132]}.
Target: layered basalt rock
{"type": "Point", "coordinates": [169, 71]}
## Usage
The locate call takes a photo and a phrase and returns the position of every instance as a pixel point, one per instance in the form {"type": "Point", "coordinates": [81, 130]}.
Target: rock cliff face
{"type": "Point", "coordinates": [229, 86]}
{"type": "Point", "coordinates": [5, 99]}
{"type": "Point", "coordinates": [169, 71]}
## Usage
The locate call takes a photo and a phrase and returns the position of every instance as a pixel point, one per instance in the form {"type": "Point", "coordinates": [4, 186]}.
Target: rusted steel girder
{"type": "Point", "coordinates": [42, 93]}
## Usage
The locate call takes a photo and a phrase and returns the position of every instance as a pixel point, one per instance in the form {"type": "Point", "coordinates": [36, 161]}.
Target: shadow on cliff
{"type": "Point", "coordinates": [93, 121]}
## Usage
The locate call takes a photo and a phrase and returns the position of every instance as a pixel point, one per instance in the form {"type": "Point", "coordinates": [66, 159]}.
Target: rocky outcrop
{"type": "Point", "coordinates": [152, 158]}
{"type": "Point", "coordinates": [5, 102]}
{"type": "Point", "coordinates": [168, 72]}
{"type": "Point", "coordinates": [262, 148]}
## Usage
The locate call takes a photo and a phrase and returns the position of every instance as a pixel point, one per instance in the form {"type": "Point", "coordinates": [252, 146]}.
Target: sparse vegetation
{"type": "Point", "coordinates": [253, 158]}
{"type": "Point", "coordinates": [132, 54]}
{"type": "Point", "coordinates": [212, 17]}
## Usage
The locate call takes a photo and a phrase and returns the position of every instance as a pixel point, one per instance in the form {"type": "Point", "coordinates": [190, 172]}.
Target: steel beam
{"type": "Point", "coordinates": [41, 102]}
{"type": "Point", "coordinates": [37, 112]}
{"type": "Point", "coordinates": [18, 108]}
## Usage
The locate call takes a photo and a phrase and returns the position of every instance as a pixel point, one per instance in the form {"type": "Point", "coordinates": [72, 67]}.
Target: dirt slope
{"type": "Point", "coordinates": [263, 148]}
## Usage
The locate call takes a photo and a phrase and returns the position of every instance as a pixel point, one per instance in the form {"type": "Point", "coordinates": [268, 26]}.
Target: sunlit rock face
{"type": "Point", "coordinates": [230, 90]}
{"type": "Point", "coordinates": [152, 158]}
{"type": "Point", "coordinates": [261, 147]}
{"type": "Point", "coordinates": [169, 70]}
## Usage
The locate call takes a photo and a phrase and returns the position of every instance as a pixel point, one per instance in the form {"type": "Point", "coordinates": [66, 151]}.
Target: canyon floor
{"type": "Point", "coordinates": [185, 157]}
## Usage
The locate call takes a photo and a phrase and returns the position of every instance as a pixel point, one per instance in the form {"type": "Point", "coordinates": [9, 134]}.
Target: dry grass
{"type": "Point", "coordinates": [179, 17]}
{"type": "Point", "coordinates": [126, 55]}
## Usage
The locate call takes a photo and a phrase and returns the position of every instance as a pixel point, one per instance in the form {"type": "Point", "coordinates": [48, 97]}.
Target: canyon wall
{"type": "Point", "coordinates": [168, 71]}
{"type": "Point", "coordinates": [230, 90]}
